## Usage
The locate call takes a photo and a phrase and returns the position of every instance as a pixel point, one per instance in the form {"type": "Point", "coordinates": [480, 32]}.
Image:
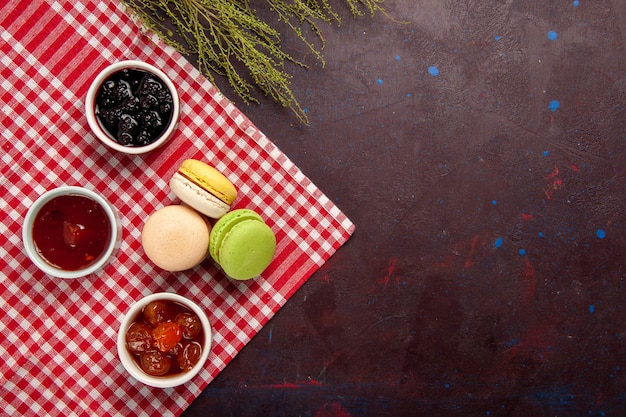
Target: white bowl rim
{"type": "Point", "coordinates": [131, 366]}
{"type": "Point", "coordinates": [27, 227]}
{"type": "Point", "coordinates": [90, 107]}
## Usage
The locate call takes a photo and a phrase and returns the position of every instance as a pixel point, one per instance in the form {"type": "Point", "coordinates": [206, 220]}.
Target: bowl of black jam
{"type": "Point", "coordinates": [132, 107]}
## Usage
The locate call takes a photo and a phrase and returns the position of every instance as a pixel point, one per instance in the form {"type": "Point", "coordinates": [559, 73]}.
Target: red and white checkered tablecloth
{"type": "Point", "coordinates": [57, 337]}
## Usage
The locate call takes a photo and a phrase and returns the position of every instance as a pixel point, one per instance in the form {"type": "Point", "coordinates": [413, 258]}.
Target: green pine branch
{"type": "Point", "coordinates": [230, 40]}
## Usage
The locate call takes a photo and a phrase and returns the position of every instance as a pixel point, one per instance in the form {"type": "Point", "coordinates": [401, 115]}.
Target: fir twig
{"type": "Point", "coordinates": [228, 36]}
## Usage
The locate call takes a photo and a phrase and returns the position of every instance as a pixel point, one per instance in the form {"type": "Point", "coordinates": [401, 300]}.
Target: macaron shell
{"type": "Point", "coordinates": [176, 238]}
{"type": "Point", "coordinates": [247, 249]}
{"type": "Point", "coordinates": [210, 179]}
{"type": "Point", "coordinates": [223, 226]}
{"type": "Point", "coordinates": [197, 197]}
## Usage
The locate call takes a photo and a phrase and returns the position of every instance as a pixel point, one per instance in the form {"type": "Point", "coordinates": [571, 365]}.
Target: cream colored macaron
{"type": "Point", "coordinates": [176, 238]}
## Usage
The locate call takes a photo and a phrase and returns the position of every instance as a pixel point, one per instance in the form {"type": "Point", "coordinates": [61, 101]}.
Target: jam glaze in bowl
{"type": "Point", "coordinates": [92, 111]}
{"type": "Point", "coordinates": [131, 365]}
{"type": "Point", "coordinates": [77, 234]}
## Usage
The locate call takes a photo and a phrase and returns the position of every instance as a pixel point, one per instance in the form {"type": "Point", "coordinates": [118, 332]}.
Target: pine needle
{"type": "Point", "coordinates": [229, 39]}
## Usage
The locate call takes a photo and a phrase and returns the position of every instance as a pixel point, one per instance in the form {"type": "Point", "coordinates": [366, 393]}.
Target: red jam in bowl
{"type": "Point", "coordinates": [71, 232]}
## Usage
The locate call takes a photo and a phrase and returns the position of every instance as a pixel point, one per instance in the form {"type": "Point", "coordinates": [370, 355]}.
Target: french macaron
{"type": "Point", "coordinates": [204, 188]}
{"type": "Point", "coordinates": [176, 238]}
{"type": "Point", "coordinates": [242, 244]}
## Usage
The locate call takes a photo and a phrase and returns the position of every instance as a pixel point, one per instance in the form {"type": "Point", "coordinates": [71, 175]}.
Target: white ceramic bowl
{"type": "Point", "coordinates": [40, 262]}
{"type": "Point", "coordinates": [131, 366]}
{"type": "Point", "coordinates": [100, 131]}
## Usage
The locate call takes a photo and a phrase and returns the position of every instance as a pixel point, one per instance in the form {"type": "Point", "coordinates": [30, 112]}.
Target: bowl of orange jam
{"type": "Point", "coordinates": [164, 340]}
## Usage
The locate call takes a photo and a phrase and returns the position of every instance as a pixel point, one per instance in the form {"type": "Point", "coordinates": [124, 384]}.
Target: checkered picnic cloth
{"type": "Point", "coordinates": [57, 337]}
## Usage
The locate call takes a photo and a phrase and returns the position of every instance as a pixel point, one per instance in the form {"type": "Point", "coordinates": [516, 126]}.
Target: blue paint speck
{"type": "Point", "coordinates": [498, 38]}
{"type": "Point", "coordinates": [592, 308]}
{"type": "Point", "coordinates": [379, 81]}
{"type": "Point", "coordinates": [552, 35]}
{"type": "Point", "coordinates": [522, 252]}
{"type": "Point", "coordinates": [601, 234]}
{"type": "Point", "coordinates": [546, 153]}
{"type": "Point", "coordinates": [398, 58]}
{"type": "Point", "coordinates": [540, 234]}
{"type": "Point", "coordinates": [447, 386]}
{"type": "Point", "coordinates": [434, 71]}
{"type": "Point", "coordinates": [554, 105]}
{"type": "Point", "coordinates": [499, 242]}
{"type": "Point", "coordinates": [575, 3]}
{"type": "Point", "coordinates": [494, 202]}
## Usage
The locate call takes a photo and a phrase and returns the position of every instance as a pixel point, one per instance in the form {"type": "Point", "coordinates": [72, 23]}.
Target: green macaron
{"type": "Point", "coordinates": [242, 244]}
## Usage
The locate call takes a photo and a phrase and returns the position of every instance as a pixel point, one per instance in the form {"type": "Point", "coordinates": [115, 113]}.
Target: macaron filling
{"type": "Point", "coordinates": [197, 197]}
{"type": "Point", "coordinates": [202, 186]}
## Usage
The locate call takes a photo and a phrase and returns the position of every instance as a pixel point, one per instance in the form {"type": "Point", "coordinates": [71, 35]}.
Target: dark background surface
{"type": "Point", "coordinates": [480, 149]}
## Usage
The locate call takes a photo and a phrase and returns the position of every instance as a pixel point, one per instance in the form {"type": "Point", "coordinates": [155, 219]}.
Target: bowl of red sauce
{"type": "Point", "coordinates": [164, 340]}
{"type": "Point", "coordinates": [132, 107]}
{"type": "Point", "coordinates": [71, 232]}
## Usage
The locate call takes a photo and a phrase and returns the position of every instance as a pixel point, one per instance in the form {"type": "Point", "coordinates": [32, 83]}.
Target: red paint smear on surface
{"type": "Point", "coordinates": [390, 270]}
{"type": "Point", "coordinates": [472, 251]}
{"type": "Point", "coordinates": [527, 217]}
{"type": "Point", "coordinates": [314, 382]}
{"type": "Point", "coordinates": [572, 166]}
{"type": "Point", "coordinates": [554, 183]}
{"type": "Point", "coordinates": [529, 278]}
{"type": "Point", "coordinates": [290, 385]}
{"type": "Point", "coordinates": [334, 409]}
{"type": "Point", "coordinates": [475, 248]}
{"type": "Point", "coordinates": [600, 399]}
{"type": "Point", "coordinates": [554, 173]}
{"type": "Point", "coordinates": [553, 187]}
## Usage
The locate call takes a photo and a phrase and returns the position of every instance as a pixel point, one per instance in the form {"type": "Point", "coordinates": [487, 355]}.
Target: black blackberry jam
{"type": "Point", "coordinates": [134, 107]}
